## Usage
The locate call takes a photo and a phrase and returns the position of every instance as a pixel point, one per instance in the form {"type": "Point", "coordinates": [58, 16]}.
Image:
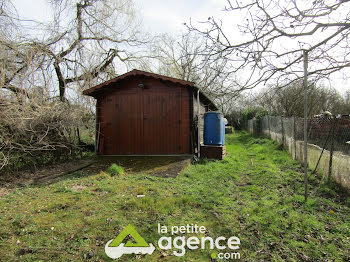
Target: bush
{"type": "Point", "coordinates": [255, 111]}
{"type": "Point", "coordinates": [114, 169]}
{"type": "Point", "coordinates": [34, 133]}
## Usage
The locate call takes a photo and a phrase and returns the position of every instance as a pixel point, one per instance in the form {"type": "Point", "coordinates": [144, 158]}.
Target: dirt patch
{"type": "Point", "coordinates": [173, 169]}
{"type": "Point", "coordinates": [44, 174]}
{"type": "Point", "coordinates": [164, 166]}
{"type": "Point", "coordinates": [78, 188]}
{"type": "Point", "coordinates": [4, 191]}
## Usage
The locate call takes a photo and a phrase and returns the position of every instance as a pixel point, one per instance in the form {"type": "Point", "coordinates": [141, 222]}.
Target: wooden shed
{"type": "Point", "coordinates": [141, 113]}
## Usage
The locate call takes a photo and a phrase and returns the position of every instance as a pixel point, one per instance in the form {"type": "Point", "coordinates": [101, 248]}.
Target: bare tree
{"type": "Point", "coordinates": [183, 57]}
{"type": "Point", "coordinates": [269, 41]}
{"type": "Point", "coordinates": [282, 41]}
{"type": "Point", "coordinates": [83, 44]}
{"type": "Point", "coordinates": [13, 57]}
{"type": "Point", "coordinates": [288, 101]}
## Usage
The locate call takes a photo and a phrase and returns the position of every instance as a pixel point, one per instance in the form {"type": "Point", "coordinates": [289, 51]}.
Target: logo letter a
{"type": "Point", "coordinates": [129, 230]}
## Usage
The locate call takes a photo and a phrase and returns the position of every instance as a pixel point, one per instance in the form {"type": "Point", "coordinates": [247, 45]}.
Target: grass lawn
{"type": "Point", "coordinates": [255, 193]}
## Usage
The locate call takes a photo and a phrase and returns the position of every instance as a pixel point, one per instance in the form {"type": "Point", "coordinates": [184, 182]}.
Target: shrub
{"type": "Point", "coordinates": [34, 133]}
{"type": "Point", "coordinates": [255, 111]}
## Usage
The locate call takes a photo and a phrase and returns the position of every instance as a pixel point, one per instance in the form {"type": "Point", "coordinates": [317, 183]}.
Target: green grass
{"type": "Point", "coordinates": [255, 193]}
{"type": "Point", "coordinates": [114, 170]}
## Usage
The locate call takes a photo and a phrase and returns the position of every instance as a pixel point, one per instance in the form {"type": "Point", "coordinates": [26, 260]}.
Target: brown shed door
{"type": "Point", "coordinates": [127, 130]}
{"type": "Point", "coordinates": [144, 121]}
{"type": "Point", "coordinates": [161, 121]}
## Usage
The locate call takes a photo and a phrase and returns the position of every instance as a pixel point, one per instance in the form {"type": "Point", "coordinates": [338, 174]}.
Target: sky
{"type": "Point", "coordinates": [168, 16]}
{"type": "Point", "coordinates": [32, 10]}
{"type": "Point", "coordinates": [159, 16]}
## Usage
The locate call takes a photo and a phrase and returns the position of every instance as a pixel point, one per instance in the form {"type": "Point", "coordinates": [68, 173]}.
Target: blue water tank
{"type": "Point", "coordinates": [214, 129]}
{"type": "Point", "coordinates": [223, 131]}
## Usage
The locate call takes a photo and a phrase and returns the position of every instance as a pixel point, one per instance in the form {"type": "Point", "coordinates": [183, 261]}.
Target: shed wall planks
{"type": "Point", "coordinates": [151, 120]}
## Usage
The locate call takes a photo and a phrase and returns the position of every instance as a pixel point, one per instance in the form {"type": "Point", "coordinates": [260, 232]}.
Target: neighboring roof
{"type": "Point", "coordinates": [93, 91]}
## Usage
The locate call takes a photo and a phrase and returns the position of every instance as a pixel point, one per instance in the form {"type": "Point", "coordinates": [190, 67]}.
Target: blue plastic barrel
{"type": "Point", "coordinates": [223, 132]}
{"type": "Point", "coordinates": [214, 129]}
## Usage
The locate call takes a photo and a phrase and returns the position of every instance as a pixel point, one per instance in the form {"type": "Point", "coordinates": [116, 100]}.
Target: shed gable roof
{"type": "Point", "coordinates": [135, 72]}
{"type": "Point", "coordinates": [93, 91]}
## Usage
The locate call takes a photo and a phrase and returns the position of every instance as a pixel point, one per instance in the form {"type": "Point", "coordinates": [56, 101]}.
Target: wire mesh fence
{"type": "Point", "coordinates": [330, 133]}
{"type": "Point", "coordinates": [328, 140]}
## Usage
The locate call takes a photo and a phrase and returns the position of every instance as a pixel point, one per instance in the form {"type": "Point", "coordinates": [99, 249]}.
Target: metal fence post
{"type": "Point", "coordinates": [268, 117]}
{"type": "Point", "coordinates": [282, 131]}
{"type": "Point", "coordinates": [305, 84]}
{"type": "Point", "coordinates": [332, 149]}
{"type": "Point", "coordinates": [294, 138]}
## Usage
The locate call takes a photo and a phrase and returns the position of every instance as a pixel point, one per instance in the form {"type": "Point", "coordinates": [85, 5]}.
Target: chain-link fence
{"type": "Point", "coordinates": [328, 141]}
